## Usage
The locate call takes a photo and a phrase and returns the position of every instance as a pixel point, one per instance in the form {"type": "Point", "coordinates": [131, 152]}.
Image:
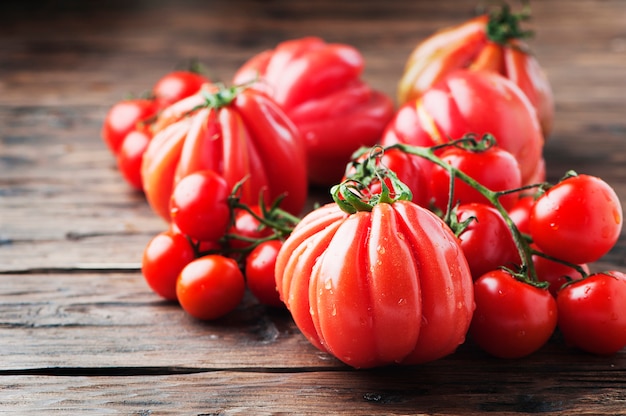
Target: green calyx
{"type": "Point", "coordinates": [504, 25]}
{"type": "Point", "coordinates": [366, 173]}
{"type": "Point", "coordinates": [222, 97]}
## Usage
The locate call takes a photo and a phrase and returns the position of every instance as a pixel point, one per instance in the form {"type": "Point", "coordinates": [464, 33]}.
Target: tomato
{"type": "Point", "coordinates": [163, 259]}
{"type": "Point", "coordinates": [490, 42]}
{"type": "Point", "coordinates": [512, 318]}
{"type": "Point", "coordinates": [555, 273]}
{"type": "Point", "coordinates": [259, 271]}
{"type": "Point", "coordinates": [199, 205]}
{"type": "Point", "coordinates": [210, 287]}
{"type": "Point", "coordinates": [520, 213]}
{"type": "Point", "coordinates": [177, 85]}
{"type": "Point", "coordinates": [319, 86]}
{"type": "Point", "coordinates": [476, 102]}
{"type": "Point", "coordinates": [247, 226]}
{"type": "Point", "coordinates": [351, 281]}
{"type": "Point", "coordinates": [578, 220]}
{"type": "Point", "coordinates": [124, 117]}
{"type": "Point", "coordinates": [591, 313]}
{"type": "Point", "coordinates": [487, 241]}
{"type": "Point", "coordinates": [130, 156]}
{"type": "Point", "coordinates": [494, 168]}
{"type": "Point", "coordinates": [240, 134]}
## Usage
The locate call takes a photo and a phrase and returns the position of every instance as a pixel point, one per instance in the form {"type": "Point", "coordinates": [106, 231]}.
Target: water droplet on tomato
{"type": "Point", "coordinates": [328, 284]}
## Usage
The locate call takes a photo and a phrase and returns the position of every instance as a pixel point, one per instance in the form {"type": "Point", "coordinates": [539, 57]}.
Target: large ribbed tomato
{"type": "Point", "coordinates": [238, 133]}
{"type": "Point", "coordinates": [492, 42]}
{"type": "Point", "coordinates": [476, 102]}
{"type": "Point", "coordinates": [378, 287]}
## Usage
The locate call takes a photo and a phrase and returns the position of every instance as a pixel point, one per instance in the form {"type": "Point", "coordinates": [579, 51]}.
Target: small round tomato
{"type": "Point", "coordinates": [494, 168]}
{"type": "Point", "coordinates": [163, 259]}
{"type": "Point", "coordinates": [247, 226]}
{"type": "Point", "coordinates": [177, 85]}
{"type": "Point", "coordinates": [578, 220]}
{"type": "Point", "coordinates": [555, 273]}
{"type": "Point", "coordinates": [591, 313]}
{"type": "Point", "coordinates": [512, 319]}
{"type": "Point", "coordinates": [210, 287]}
{"type": "Point", "coordinates": [487, 241]}
{"type": "Point", "coordinates": [130, 156]}
{"type": "Point", "coordinates": [124, 117]}
{"type": "Point", "coordinates": [520, 213]}
{"type": "Point", "coordinates": [199, 205]}
{"type": "Point", "coordinates": [260, 277]}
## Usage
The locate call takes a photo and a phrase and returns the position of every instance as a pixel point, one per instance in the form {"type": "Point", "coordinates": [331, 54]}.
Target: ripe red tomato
{"type": "Point", "coordinates": [319, 86]}
{"type": "Point", "coordinates": [239, 134]}
{"type": "Point", "coordinates": [247, 226]}
{"type": "Point", "coordinates": [130, 156]}
{"type": "Point", "coordinates": [494, 168]}
{"type": "Point", "coordinates": [476, 46]}
{"type": "Point", "coordinates": [260, 278]}
{"type": "Point", "coordinates": [512, 319]}
{"type": "Point", "coordinates": [124, 117]}
{"type": "Point", "coordinates": [520, 213]}
{"type": "Point", "coordinates": [199, 205]}
{"type": "Point", "coordinates": [591, 313]}
{"type": "Point", "coordinates": [487, 242]}
{"type": "Point", "coordinates": [351, 281]}
{"type": "Point", "coordinates": [555, 273]}
{"type": "Point", "coordinates": [163, 259]}
{"type": "Point", "coordinates": [476, 102]}
{"type": "Point", "coordinates": [177, 85]}
{"type": "Point", "coordinates": [578, 220]}
{"type": "Point", "coordinates": [210, 287]}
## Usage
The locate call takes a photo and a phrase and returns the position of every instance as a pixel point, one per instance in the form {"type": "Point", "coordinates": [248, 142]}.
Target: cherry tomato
{"type": "Point", "coordinates": [591, 313]}
{"type": "Point", "coordinates": [487, 242]}
{"type": "Point", "coordinates": [512, 319]}
{"type": "Point", "coordinates": [130, 156]}
{"type": "Point", "coordinates": [520, 213]}
{"type": "Point", "coordinates": [247, 226]}
{"type": "Point", "coordinates": [163, 259]}
{"type": "Point", "coordinates": [259, 272]}
{"type": "Point", "coordinates": [494, 168]}
{"type": "Point", "coordinates": [210, 287]}
{"type": "Point", "coordinates": [177, 85]}
{"type": "Point", "coordinates": [578, 220]}
{"type": "Point", "coordinates": [124, 117]}
{"type": "Point", "coordinates": [199, 205]}
{"type": "Point", "coordinates": [555, 273]}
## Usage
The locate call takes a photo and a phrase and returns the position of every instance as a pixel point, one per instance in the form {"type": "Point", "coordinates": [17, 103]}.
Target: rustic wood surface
{"type": "Point", "coordinates": [81, 333]}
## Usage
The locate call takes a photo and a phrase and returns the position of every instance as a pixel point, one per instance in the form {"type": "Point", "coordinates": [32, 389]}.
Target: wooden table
{"type": "Point", "coordinates": [81, 333]}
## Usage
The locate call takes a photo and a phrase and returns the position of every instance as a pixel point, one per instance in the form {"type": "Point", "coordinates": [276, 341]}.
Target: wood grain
{"type": "Point", "coordinates": [80, 331]}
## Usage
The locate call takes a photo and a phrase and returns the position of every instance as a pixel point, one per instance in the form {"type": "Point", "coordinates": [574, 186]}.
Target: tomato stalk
{"type": "Point", "coordinates": [504, 26]}
{"type": "Point", "coordinates": [527, 271]}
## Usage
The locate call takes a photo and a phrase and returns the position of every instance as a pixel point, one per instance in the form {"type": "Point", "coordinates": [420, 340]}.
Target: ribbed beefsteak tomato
{"type": "Point", "coordinates": [477, 102]}
{"type": "Point", "coordinates": [378, 287]}
{"type": "Point", "coordinates": [319, 86]}
{"type": "Point", "coordinates": [492, 42]}
{"type": "Point", "coordinates": [239, 133]}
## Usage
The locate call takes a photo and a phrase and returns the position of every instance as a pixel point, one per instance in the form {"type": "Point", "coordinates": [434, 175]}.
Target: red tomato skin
{"type": "Point", "coordinates": [512, 319]}
{"type": "Point", "coordinates": [520, 213]}
{"type": "Point", "coordinates": [467, 46]}
{"type": "Point", "coordinates": [487, 242]}
{"type": "Point", "coordinates": [259, 271]}
{"type": "Point", "coordinates": [592, 315]}
{"type": "Point", "coordinates": [555, 273]}
{"type": "Point", "coordinates": [130, 156]}
{"type": "Point", "coordinates": [476, 102]}
{"type": "Point", "coordinates": [494, 168]}
{"type": "Point", "coordinates": [319, 86]}
{"type": "Point", "coordinates": [164, 257]}
{"type": "Point", "coordinates": [350, 281]}
{"type": "Point", "coordinates": [578, 220]}
{"type": "Point", "coordinates": [247, 226]}
{"type": "Point", "coordinates": [199, 205]}
{"type": "Point", "coordinates": [123, 117]}
{"type": "Point", "coordinates": [210, 287]}
{"type": "Point", "coordinates": [249, 138]}
{"type": "Point", "coordinates": [177, 85]}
